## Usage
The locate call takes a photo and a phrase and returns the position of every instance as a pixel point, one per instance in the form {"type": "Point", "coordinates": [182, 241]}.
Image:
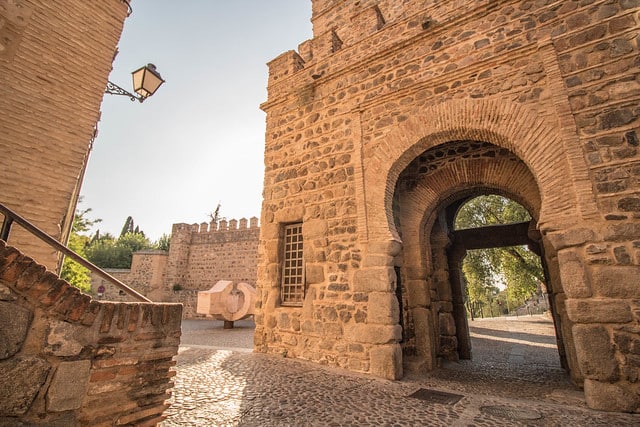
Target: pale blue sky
{"type": "Point", "coordinates": [200, 139]}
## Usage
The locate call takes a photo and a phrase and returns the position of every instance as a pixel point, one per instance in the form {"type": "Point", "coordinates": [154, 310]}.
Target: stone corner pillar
{"type": "Point", "coordinates": [386, 361]}
{"type": "Point", "coordinates": [618, 397]}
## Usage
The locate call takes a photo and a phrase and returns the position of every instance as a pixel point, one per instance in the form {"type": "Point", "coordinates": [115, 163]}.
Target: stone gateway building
{"type": "Point", "coordinates": [395, 114]}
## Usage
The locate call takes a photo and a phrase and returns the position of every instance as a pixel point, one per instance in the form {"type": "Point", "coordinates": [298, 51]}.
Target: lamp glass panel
{"type": "Point", "coordinates": [151, 82]}
{"type": "Point", "coordinates": [138, 77]}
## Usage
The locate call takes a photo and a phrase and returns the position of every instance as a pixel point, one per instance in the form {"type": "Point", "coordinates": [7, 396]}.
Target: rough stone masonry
{"type": "Point", "coordinates": [394, 114]}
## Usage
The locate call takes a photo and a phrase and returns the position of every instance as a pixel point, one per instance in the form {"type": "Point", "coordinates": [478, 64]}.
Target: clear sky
{"type": "Point", "coordinates": [199, 140]}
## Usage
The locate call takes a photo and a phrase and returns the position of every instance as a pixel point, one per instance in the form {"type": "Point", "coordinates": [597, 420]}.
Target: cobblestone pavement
{"type": "Point", "coordinates": [514, 379]}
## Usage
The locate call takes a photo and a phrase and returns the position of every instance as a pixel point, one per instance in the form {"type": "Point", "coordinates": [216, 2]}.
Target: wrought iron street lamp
{"type": "Point", "coordinates": [146, 81]}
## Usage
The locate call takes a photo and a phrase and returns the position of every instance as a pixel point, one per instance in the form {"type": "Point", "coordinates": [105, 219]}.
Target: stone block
{"type": "Point", "coordinates": [69, 386]}
{"type": "Point", "coordinates": [25, 375]}
{"type": "Point", "coordinates": [314, 273]}
{"type": "Point", "coordinates": [30, 276]}
{"type": "Point", "coordinates": [425, 339]}
{"type": "Point", "coordinates": [595, 353]}
{"type": "Point", "coordinates": [172, 316]}
{"type": "Point", "coordinates": [292, 214]}
{"type": "Point", "coordinates": [629, 204]}
{"type": "Point", "coordinates": [444, 290]}
{"type": "Point", "coordinates": [271, 251]}
{"type": "Point", "coordinates": [271, 322]}
{"type": "Point", "coordinates": [269, 231]}
{"type": "Point", "coordinates": [447, 324]}
{"type": "Point", "coordinates": [598, 310]}
{"type": "Point", "coordinates": [617, 397]}
{"type": "Point", "coordinates": [373, 334]}
{"type": "Point", "coordinates": [377, 260]}
{"type": "Point", "coordinates": [571, 237]}
{"type": "Point", "coordinates": [417, 294]}
{"type": "Point", "coordinates": [6, 294]}
{"type": "Point", "coordinates": [329, 314]}
{"type": "Point", "coordinates": [8, 255]}
{"type": "Point", "coordinates": [448, 347]}
{"type": "Point", "coordinates": [573, 275]}
{"type": "Point", "coordinates": [330, 330]}
{"type": "Point", "coordinates": [66, 339]}
{"type": "Point", "coordinates": [314, 229]}
{"type": "Point", "coordinates": [386, 361]}
{"type": "Point", "coordinates": [627, 341]}
{"type": "Point", "coordinates": [389, 247]}
{"type": "Point", "coordinates": [418, 273]}
{"type": "Point", "coordinates": [16, 268]}
{"type": "Point", "coordinates": [623, 232]}
{"type": "Point", "coordinates": [15, 321]}
{"type": "Point", "coordinates": [616, 281]}
{"type": "Point", "coordinates": [381, 279]}
{"type": "Point", "coordinates": [383, 308]}
{"type": "Point", "coordinates": [622, 255]}
{"type": "Point", "coordinates": [269, 273]}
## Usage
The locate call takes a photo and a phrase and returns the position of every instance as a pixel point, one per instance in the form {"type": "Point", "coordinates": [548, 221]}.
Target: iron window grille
{"type": "Point", "coordinates": [292, 287]}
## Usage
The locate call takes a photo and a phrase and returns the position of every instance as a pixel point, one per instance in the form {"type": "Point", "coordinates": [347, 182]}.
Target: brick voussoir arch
{"type": "Point", "coordinates": [459, 179]}
{"type": "Point", "coordinates": [497, 121]}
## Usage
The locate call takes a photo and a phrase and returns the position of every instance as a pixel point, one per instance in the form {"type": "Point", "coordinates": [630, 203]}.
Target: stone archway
{"type": "Point", "coordinates": [540, 175]}
{"type": "Point", "coordinates": [433, 184]}
{"type": "Point", "coordinates": [534, 140]}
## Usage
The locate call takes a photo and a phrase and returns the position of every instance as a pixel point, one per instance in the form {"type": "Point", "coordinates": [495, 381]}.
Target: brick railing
{"type": "Point", "coordinates": [72, 360]}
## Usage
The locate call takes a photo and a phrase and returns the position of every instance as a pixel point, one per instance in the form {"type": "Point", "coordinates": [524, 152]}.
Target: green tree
{"type": "Point", "coordinates": [517, 267]}
{"type": "Point", "coordinates": [490, 210]}
{"type": "Point", "coordinates": [163, 242]}
{"type": "Point", "coordinates": [105, 253]}
{"type": "Point", "coordinates": [108, 252]}
{"type": "Point", "coordinates": [522, 271]}
{"type": "Point", "coordinates": [73, 272]}
{"type": "Point", "coordinates": [127, 227]}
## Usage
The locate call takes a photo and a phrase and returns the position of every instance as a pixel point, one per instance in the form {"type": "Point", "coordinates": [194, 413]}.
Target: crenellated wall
{"type": "Point", "coordinates": [72, 360]}
{"type": "Point", "coordinates": [199, 256]}
{"type": "Point", "coordinates": [227, 250]}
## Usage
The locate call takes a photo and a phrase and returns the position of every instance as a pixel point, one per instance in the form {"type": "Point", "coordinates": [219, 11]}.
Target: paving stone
{"type": "Point", "coordinates": [514, 378]}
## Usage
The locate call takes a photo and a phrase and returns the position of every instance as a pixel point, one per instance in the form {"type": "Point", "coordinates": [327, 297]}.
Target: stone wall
{"type": "Point", "coordinates": [224, 251]}
{"type": "Point", "coordinates": [71, 360]}
{"type": "Point", "coordinates": [55, 58]}
{"type": "Point", "coordinates": [146, 276]}
{"type": "Point", "coordinates": [199, 256]}
{"type": "Point", "coordinates": [369, 126]}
